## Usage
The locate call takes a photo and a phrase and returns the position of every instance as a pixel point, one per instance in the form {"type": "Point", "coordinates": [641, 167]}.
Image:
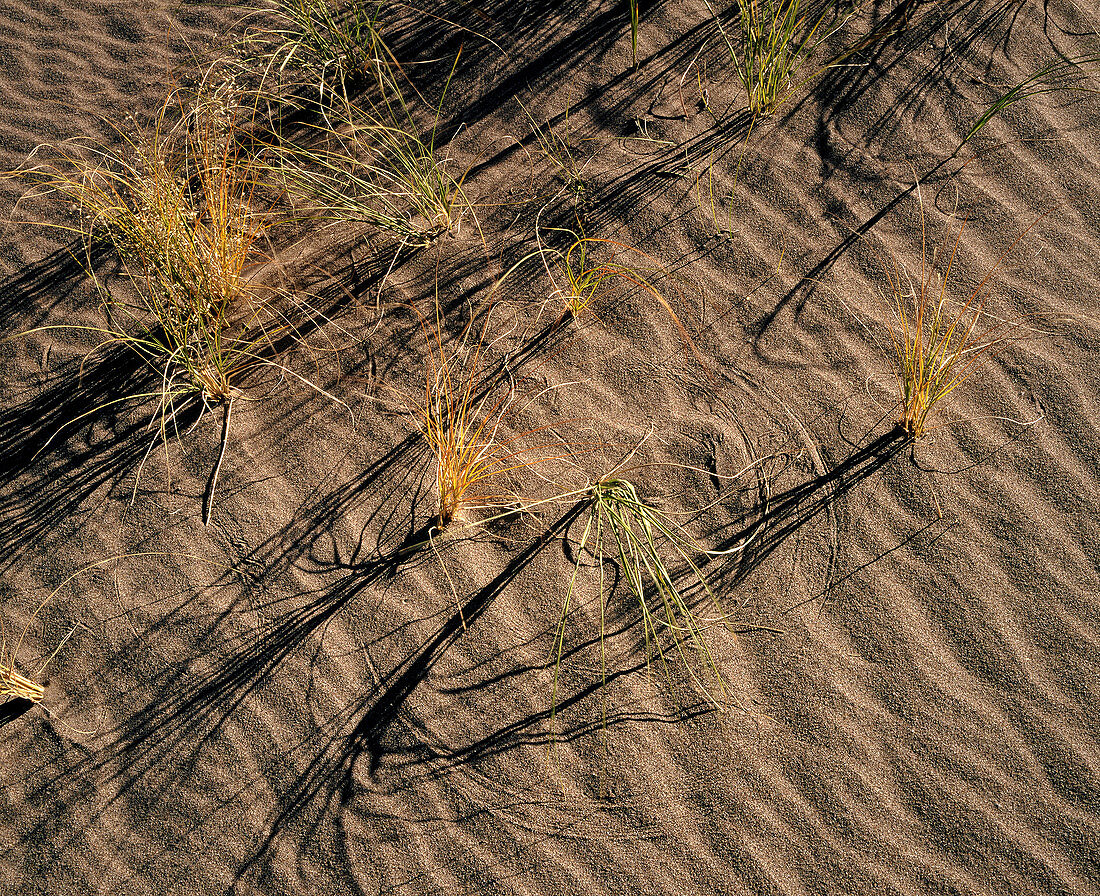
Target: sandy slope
{"type": "Point", "coordinates": [287, 702]}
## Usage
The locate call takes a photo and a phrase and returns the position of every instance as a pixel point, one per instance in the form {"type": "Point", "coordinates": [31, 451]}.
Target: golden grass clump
{"type": "Point", "coordinates": [461, 419]}
{"type": "Point", "coordinates": [938, 338]}
{"type": "Point", "coordinates": [187, 211]}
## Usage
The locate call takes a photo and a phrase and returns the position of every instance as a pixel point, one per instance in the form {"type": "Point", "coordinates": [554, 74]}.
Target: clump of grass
{"type": "Point", "coordinates": [777, 38]}
{"type": "Point", "coordinates": [371, 166]}
{"type": "Point", "coordinates": [557, 147]}
{"type": "Point", "coordinates": [186, 212]}
{"type": "Point", "coordinates": [14, 685]}
{"type": "Point", "coordinates": [461, 418]}
{"type": "Point", "coordinates": [581, 281]}
{"type": "Point", "coordinates": [659, 562]}
{"type": "Point", "coordinates": [325, 48]}
{"type": "Point", "coordinates": [939, 339]}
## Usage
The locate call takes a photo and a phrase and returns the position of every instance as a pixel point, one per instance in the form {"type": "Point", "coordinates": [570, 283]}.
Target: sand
{"type": "Point", "coordinates": [289, 701]}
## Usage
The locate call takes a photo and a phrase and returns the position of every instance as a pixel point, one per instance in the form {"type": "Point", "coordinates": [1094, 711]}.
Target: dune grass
{"type": "Point", "coordinates": [938, 339]}
{"type": "Point", "coordinates": [367, 163]}
{"type": "Point", "coordinates": [188, 215]}
{"type": "Point", "coordinates": [658, 560]}
{"type": "Point", "coordinates": [14, 685]}
{"type": "Point", "coordinates": [633, 10]}
{"type": "Point", "coordinates": [461, 416]}
{"type": "Point", "coordinates": [777, 38]}
{"type": "Point", "coordinates": [1071, 75]}
{"type": "Point", "coordinates": [317, 47]}
{"type": "Point", "coordinates": [558, 148]}
{"type": "Point", "coordinates": [581, 281]}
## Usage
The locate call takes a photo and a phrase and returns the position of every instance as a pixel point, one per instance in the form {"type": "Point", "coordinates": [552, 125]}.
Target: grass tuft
{"type": "Point", "coordinates": [315, 46]}
{"type": "Point", "coordinates": [187, 212]}
{"type": "Point", "coordinates": [654, 555]}
{"type": "Point", "coordinates": [938, 339]}
{"type": "Point", "coordinates": [461, 419]}
{"type": "Point", "coordinates": [777, 38]}
{"type": "Point", "coordinates": [369, 165]}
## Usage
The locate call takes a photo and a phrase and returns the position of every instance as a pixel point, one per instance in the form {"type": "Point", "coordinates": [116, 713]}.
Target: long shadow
{"type": "Point", "coordinates": [191, 701]}
{"type": "Point", "coordinates": [782, 515]}
{"type": "Point", "coordinates": [905, 28]}
{"type": "Point", "coordinates": [330, 776]}
{"type": "Point", "coordinates": [13, 709]}
{"type": "Point", "coordinates": [797, 295]}
{"type": "Point", "coordinates": [63, 442]}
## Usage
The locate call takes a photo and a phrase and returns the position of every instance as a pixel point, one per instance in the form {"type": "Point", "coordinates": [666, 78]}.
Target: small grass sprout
{"type": "Point", "coordinates": [583, 280]}
{"type": "Point", "coordinates": [1069, 75]}
{"type": "Point", "coordinates": [633, 9]}
{"type": "Point", "coordinates": [659, 562]}
{"type": "Point", "coordinates": [557, 147]}
{"type": "Point", "coordinates": [777, 37]}
{"type": "Point", "coordinates": [938, 339]}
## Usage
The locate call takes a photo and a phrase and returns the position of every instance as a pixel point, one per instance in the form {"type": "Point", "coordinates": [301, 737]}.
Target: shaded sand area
{"type": "Point", "coordinates": [320, 693]}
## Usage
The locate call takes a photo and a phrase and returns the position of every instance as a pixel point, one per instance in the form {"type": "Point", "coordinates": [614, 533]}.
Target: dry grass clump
{"type": "Point", "coordinates": [187, 212]}
{"type": "Point", "coordinates": [14, 685]}
{"type": "Point", "coordinates": [938, 338]}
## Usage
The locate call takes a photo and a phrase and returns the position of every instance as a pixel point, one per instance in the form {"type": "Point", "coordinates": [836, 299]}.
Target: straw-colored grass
{"type": "Point", "coordinates": [462, 419]}
{"type": "Point", "coordinates": [939, 337]}
{"type": "Point", "coordinates": [188, 216]}
{"type": "Point", "coordinates": [14, 685]}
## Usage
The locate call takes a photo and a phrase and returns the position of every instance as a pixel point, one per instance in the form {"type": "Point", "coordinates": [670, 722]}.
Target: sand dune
{"type": "Point", "coordinates": [290, 701]}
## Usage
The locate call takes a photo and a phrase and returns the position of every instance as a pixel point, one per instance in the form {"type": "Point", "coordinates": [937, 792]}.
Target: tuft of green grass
{"type": "Point", "coordinates": [777, 38]}
{"type": "Point", "coordinates": [370, 165]}
{"type": "Point", "coordinates": [938, 339]}
{"type": "Point", "coordinates": [314, 45]}
{"type": "Point", "coordinates": [658, 561]}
